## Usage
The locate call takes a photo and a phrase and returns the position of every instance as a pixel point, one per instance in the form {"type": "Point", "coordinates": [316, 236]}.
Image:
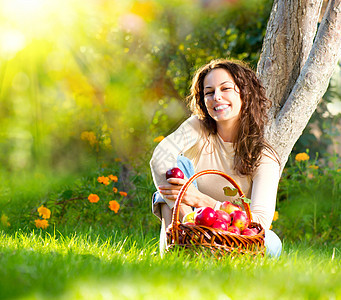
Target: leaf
{"type": "Point", "coordinates": [228, 191]}
{"type": "Point", "coordinates": [246, 200]}
{"type": "Point", "coordinates": [237, 202]}
{"type": "Point", "coordinates": [67, 194]}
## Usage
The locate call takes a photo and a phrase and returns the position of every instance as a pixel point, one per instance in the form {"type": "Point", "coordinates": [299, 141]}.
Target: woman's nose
{"type": "Point", "coordinates": [217, 95]}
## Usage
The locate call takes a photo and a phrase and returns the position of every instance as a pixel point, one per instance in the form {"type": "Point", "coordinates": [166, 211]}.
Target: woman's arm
{"type": "Point", "coordinates": [193, 197]}
{"type": "Point", "coordinates": [264, 191]}
{"type": "Point", "coordinates": [166, 153]}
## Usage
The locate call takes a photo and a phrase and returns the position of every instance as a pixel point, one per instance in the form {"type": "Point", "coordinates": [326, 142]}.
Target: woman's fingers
{"type": "Point", "coordinates": [177, 181]}
{"type": "Point", "coordinates": [175, 184]}
{"type": "Point", "coordinates": [169, 193]}
{"type": "Point", "coordinates": [170, 197]}
{"type": "Point", "coordinates": [170, 187]}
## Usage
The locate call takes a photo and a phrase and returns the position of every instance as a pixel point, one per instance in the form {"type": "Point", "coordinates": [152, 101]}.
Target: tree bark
{"type": "Point", "coordinates": [295, 68]}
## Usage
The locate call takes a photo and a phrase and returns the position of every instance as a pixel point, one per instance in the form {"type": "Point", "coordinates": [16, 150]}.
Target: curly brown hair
{"type": "Point", "coordinates": [249, 142]}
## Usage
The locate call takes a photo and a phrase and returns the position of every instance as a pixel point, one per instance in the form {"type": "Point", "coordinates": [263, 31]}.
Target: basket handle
{"type": "Point", "coordinates": [176, 210]}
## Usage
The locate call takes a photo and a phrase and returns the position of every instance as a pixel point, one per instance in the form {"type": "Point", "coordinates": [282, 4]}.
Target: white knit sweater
{"type": "Point", "coordinates": [213, 153]}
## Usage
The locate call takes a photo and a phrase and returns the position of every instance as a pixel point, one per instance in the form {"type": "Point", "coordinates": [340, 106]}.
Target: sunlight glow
{"type": "Point", "coordinates": [28, 9]}
{"type": "Point", "coordinates": [11, 41]}
{"type": "Point", "coordinates": [37, 19]}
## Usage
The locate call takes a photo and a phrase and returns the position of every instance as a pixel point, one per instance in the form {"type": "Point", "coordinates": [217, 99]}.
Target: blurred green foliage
{"type": "Point", "coordinates": [84, 83]}
{"type": "Point", "coordinates": [118, 69]}
{"type": "Point", "coordinates": [68, 200]}
{"type": "Point", "coordinates": [309, 202]}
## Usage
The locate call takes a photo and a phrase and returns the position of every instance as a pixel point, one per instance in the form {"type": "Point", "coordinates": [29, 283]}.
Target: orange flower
{"type": "Point", "coordinates": [44, 212]}
{"type": "Point", "coordinates": [114, 206]}
{"type": "Point", "coordinates": [302, 157]}
{"type": "Point", "coordinates": [93, 198]}
{"type": "Point", "coordinates": [114, 189]}
{"type": "Point", "coordinates": [89, 136]}
{"type": "Point", "coordinates": [85, 135]}
{"type": "Point", "coordinates": [113, 178]}
{"type": "Point", "coordinates": [41, 223]}
{"type": "Point", "coordinates": [124, 194]}
{"type": "Point", "coordinates": [100, 179]}
{"type": "Point", "coordinates": [103, 179]}
{"type": "Point", "coordinates": [117, 159]}
{"type": "Point", "coordinates": [159, 139]}
{"type": "Point", "coordinates": [275, 218]}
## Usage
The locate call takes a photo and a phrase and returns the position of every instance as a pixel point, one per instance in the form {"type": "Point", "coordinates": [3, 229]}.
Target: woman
{"type": "Point", "coordinates": [226, 133]}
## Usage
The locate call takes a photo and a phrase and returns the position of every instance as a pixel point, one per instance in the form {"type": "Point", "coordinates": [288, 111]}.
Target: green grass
{"type": "Point", "coordinates": [121, 260]}
{"type": "Point", "coordinates": [113, 265]}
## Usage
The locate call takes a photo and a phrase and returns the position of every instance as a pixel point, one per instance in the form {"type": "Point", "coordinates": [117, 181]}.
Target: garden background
{"type": "Point", "coordinates": [87, 90]}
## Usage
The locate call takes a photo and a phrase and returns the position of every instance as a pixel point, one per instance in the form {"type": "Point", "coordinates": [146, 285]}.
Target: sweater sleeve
{"type": "Point", "coordinates": [264, 190]}
{"type": "Point", "coordinates": [165, 154]}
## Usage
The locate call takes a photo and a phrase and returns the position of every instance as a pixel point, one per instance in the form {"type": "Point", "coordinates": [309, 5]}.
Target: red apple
{"type": "Point", "coordinates": [255, 230]}
{"type": "Point", "coordinates": [189, 217]}
{"type": "Point", "coordinates": [223, 215]}
{"type": "Point", "coordinates": [174, 173]}
{"type": "Point", "coordinates": [240, 219]}
{"type": "Point", "coordinates": [205, 216]}
{"type": "Point", "coordinates": [248, 231]}
{"type": "Point", "coordinates": [233, 229]}
{"type": "Point", "coordinates": [228, 207]}
{"type": "Point", "coordinates": [220, 224]}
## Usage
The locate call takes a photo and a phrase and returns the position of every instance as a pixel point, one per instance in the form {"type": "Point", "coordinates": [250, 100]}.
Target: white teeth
{"type": "Point", "coordinates": [220, 107]}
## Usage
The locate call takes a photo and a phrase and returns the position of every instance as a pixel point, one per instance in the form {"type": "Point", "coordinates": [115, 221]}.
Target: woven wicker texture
{"type": "Point", "coordinates": [218, 242]}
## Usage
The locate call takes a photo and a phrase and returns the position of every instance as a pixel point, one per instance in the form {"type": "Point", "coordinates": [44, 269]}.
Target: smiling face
{"type": "Point", "coordinates": [222, 97]}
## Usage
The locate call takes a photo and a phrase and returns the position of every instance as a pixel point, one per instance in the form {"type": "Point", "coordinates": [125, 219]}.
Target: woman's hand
{"type": "Point", "coordinates": [193, 197]}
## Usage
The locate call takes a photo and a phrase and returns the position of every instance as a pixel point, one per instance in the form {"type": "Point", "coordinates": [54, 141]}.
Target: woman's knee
{"type": "Point", "coordinates": [272, 243]}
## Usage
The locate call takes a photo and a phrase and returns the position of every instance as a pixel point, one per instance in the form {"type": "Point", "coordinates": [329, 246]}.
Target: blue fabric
{"type": "Point", "coordinates": [272, 243]}
{"type": "Point", "coordinates": [186, 166]}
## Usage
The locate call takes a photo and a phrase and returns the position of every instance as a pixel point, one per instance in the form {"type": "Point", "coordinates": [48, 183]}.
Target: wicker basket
{"type": "Point", "coordinates": [218, 242]}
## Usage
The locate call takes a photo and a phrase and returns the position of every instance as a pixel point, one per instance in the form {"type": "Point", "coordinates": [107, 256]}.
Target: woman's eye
{"type": "Point", "coordinates": [208, 93]}
{"type": "Point", "coordinates": [226, 88]}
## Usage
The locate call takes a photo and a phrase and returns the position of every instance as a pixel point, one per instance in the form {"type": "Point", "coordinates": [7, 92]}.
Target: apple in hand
{"type": "Point", "coordinates": [220, 224]}
{"type": "Point", "coordinates": [174, 173]}
{"type": "Point", "coordinates": [205, 216]}
{"type": "Point", "coordinates": [228, 207]}
{"type": "Point", "coordinates": [240, 219]}
{"type": "Point", "coordinates": [233, 229]}
{"type": "Point", "coordinates": [189, 218]}
{"type": "Point", "coordinates": [248, 231]}
{"type": "Point", "coordinates": [223, 215]}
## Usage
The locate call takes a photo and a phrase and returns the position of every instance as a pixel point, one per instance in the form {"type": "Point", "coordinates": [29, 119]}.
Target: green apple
{"type": "Point", "coordinates": [189, 218]}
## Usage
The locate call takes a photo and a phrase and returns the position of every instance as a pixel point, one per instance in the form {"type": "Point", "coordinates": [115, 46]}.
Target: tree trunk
{"type": "Point", "coordinates": [296, 65]}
